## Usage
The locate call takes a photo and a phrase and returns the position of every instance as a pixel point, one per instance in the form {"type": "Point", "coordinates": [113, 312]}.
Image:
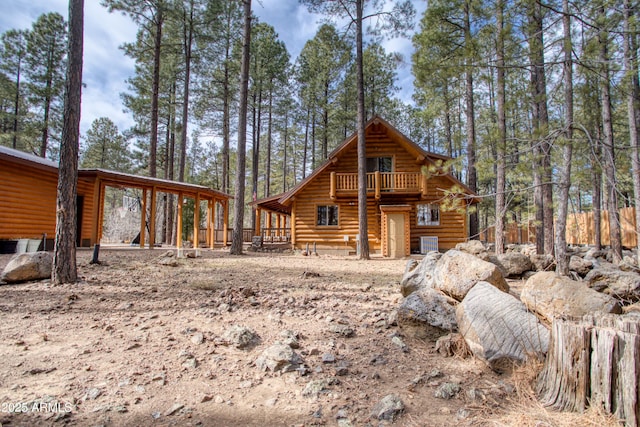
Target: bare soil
{"type": "Point", "coordinates": [139, 343]}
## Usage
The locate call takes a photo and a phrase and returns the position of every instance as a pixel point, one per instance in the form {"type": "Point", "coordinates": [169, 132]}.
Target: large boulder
{"type": "Point", "coordinates": [551, 296]}
{"type": "Point", "coordinates": [27, 266]}
{"type": "Point", "coordinates": [512, 264]}
{"type": "Point", "coordinates": [419, 274]}
{"type": "Point", "coordinates": [457, 272]}
{"type": "Point", "coordinates": [498, 328]}
{"type": "Point", "coordinates": [473, 247]}
{"type": "Point", "coordinates": [623, 285]}
{"type": "Point", "coordinates": [426, 314]}
{"type": "Point", "coordinates": [544, 262]}
{"type": "Point", "coordinates": [580, 265]}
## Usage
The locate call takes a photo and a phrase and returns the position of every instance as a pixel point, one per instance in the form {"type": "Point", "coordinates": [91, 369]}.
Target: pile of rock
{"type": "Point", "coordinates": [464, 290]}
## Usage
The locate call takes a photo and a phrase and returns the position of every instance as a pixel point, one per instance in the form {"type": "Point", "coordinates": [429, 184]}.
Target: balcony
{"type": "Point", "coordinates": [346, 184]}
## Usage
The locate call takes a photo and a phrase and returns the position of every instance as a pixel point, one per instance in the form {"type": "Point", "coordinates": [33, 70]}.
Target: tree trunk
{"type": "Point", "coordinates": [306, 145]}
{"type": "Point", "coordinates": [562, 261]}
{"type": "Point", "coordinates": [542, 179]}
{"type": "Point", "coordinates": [471, 127]}
{"type": "Point", "coordinates": [325, 122]}
{"type": "Point", "coordinates": [593, 362]}
{"type": "Point", "coordinates": [64, 268]}
{"type": "Point", "coordinates": [608, 150]}
{"type": "Point", "coordinates": [633, 107]}
{"type": "Point", "coordinates": [155, 85]}
{"type": "Point", "coordinates": [284, 150]}
{"type": "Point", "coordinates": [255, 164]}
{"type": "Point", "coordinates": [363, 228]}
{"type": "Point", "coordinates": [238, 207]}
{"type": "Point", "coordinates": [502, 133]}
{"type": "Point", "coordinates": [267, 168]}
{"type": "Point", "coordinates": [187, 42]}
{"type": "Point", "coordinates": [16, 106]}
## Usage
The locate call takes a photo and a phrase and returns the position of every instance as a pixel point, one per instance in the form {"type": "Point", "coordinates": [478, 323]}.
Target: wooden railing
{"type": "Point", "coordinates": [379, 182]}
{"type": "Point", "coordinates": [276, 234]}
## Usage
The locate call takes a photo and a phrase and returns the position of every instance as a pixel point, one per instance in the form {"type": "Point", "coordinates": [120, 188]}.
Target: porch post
{"type": "Point", "coordinates": [196, 224]}
{"type": "Point", "coordinates": [152, 219]}
{"type": "Point", "coordinates": [143, 218]}
{"type": "Point", "coordinates": [225, 224]}
{"type": "Point", "coordinates": [179, 225]}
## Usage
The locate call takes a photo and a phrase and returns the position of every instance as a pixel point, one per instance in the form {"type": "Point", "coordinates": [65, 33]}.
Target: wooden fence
{"type": "Point", "coordinates": [580, 229]}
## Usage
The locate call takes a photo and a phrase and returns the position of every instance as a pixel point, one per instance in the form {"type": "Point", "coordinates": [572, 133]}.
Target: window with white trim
{"type": "Point", "coordinates": [428, 214]}
{"type": "Point", "coordinates": [327, 215]}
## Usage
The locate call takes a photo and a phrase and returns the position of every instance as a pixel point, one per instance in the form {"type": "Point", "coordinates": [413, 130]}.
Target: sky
{"type": "Point", "coordinates": [106, 68]}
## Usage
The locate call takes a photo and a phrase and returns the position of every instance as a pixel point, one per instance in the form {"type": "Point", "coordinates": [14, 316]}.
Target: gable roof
{"type": "Point", "coordinates": [282, 202]}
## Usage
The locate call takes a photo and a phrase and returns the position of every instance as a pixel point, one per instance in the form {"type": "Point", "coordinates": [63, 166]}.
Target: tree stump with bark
{"type": "Point", "coordinates": [594, 361]}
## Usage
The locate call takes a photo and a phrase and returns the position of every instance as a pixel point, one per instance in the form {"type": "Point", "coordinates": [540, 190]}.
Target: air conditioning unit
{"type": "Point", "coordinates": [428, 244]}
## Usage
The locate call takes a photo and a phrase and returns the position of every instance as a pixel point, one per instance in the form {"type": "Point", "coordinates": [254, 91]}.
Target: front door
{"type": "Point", "coordinates": [395, 233]}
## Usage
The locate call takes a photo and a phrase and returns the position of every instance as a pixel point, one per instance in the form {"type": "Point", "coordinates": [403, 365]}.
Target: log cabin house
{"type": "Point", "coordinates": [28, 191]}
{"type": "Point", "coordinates": [413, 203]}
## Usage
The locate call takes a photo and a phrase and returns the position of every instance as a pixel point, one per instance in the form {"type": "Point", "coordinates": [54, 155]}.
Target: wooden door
{"type": "Point", "coordinates": [395, 233]}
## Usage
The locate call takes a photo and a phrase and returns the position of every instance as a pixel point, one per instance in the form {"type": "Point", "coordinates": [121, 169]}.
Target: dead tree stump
{"type": "Point", "coordinates": [594, 361]}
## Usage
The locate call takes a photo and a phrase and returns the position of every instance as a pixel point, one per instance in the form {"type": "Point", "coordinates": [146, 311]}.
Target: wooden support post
{"type": "Point", "coordinates": [332, 186]}
{"type": "Point", "coordinates": [143, 218]}
{"type": "Point", "coordinates": [179, 225]}
{"type": "Point", "coordinates": [96, 213]}
{"type": "Point", "coordinates": [279, 225]}
{"type": "Point", "coordinates": [256, 232]}
{"type": "Point", "coordinates": [225, 224]}
{"type": "Point", "coordinates": [423, 185]}
{"type": "Point", "coordinates": [377, 184]}
{"type": "Point", "coordinates": [196, 224]}
{"type": "Point", "coordinates": [152, 219]}
{"type": "Point", "coordinates": [292, 221]}
{"type": "Point", "coordinates": [101, 211]}
{"type": "Point", "coordinates": [211, 223]}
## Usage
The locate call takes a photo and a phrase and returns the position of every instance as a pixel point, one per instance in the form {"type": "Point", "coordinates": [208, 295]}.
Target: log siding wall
{"type": "Point", "coordinates": [28, 203]}
{"type": "Point", "coordinates": [452, 228]}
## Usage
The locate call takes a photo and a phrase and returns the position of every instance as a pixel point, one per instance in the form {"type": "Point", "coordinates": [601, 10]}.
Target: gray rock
{"type": "Point", "coordinates": [550, 296]}
{"type": "Point", "coordinates": [472, 247]}
{"type": "Point", "coordinates": [623, 285]}
{"type": "Point", "coordinates": [328, 358]}
{"type": "Point", "coordinates": [498, 328]}
{"type": "Point", "coordinates": [279, 357]}
{"type": "Point", "coordinates": [398, 342]}
{"type": "Point", "coordinates": [580, 265]}
{"type": "Point", "coordinates": [344, 330]}
{"type": "Point", "coordinates": [27, 266]}
{"type": "Point", "coordinates": [290, 338]}
{"type": "Point", "coordinates": [543, 262]}
{"type": "Point", "coordinates": [512, 264]}
{"type": "Point", "coordinates": [389, 408]}
{"type": "Point", "coordinates": [457, 272]}
{"type": "Point", "coordinates": [419, 275]}
{"type": "Point", "coordinates": [197, 338]}
{"type": "Point", "coordinates": [447, 390]}
{"type": "Point", "coordinates": [426, 314]}
{"type": "Point", "coordinates": [93, 393]}
{"type": "Point", "coordinates": [175, 408]}
{"type": "Point", "coordinates": [316, 387]}
{"type": "Point", "coordinates": [241, 337]}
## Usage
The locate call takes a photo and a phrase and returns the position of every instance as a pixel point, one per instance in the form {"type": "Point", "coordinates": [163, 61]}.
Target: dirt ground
{"type": "Point", "coordinates": [139, 343]}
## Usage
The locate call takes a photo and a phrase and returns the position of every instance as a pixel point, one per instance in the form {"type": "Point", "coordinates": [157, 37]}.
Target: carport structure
{"type": "Point", "coordinates": [150, 188]}
{"type": "Point", "coordinates": [28, 189]}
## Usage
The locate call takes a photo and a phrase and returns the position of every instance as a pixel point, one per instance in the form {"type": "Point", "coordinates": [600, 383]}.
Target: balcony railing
{"type": "Point", "coordinates": [378, 183]}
